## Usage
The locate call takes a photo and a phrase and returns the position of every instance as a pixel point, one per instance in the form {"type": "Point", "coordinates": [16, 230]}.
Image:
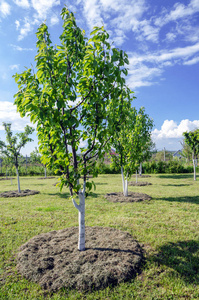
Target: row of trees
{"type": "Point", "coordinates": [81, 105]}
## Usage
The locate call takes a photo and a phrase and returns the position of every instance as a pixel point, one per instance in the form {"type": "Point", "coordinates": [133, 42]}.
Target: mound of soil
{"type": "Point", "coordinates": [141, 183]}
{"type": "Point", "coordinates": [53, 260]}
{"type": "Point", "coordinates": [17, 194]}
{"type": "Point", "coordinates": [9, 178]}
{"type": "Point", "coordinates": [132, 197]}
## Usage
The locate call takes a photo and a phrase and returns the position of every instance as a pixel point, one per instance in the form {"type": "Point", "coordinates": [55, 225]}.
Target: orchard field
{"type": "Point", "coordinates": [166, 227]}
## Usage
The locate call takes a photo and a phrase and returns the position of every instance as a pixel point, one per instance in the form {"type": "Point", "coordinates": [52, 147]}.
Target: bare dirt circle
{"type": "Point", "coordinates": [139, 183]}
{"type": "Point", "coordinates": [23, 193]}
{"type": "Point", "coordinates": [53, 260]}
{"type": "Point", "coordinates": [132, 197]}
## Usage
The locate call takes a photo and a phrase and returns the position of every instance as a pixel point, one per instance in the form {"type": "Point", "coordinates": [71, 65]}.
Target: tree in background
{"type": "Point", "coordinates": [35, 157]}
{"type": "Point", "coordinates": [131, 142]}
{"type": "Point", "coordinates": [14, 144]}
{"type": "Point", "coordinates": [192, 140]}
{"type": "Point", "coordinates": [76, 97]}
{"type": "Point", "coordinates": [142, 139]}
{"type": "Point", "coordinates": [186, 151]}
{"type": "Point", "coordinates": [163, 155]}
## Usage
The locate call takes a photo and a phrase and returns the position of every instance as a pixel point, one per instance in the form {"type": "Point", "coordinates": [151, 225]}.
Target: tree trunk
{"type": "Point", "coordinates": [17, 171]}
{"type": "Point", "coordinates": [81, 211]}
{"type": "Point", "coordinates": [45, 172]}
{"type": "Point", "coordinates": [194, 168]}
{"type": "Point", "coordinates": [140, 172]}
{"type": "Point", "coordinates": [124, 183]}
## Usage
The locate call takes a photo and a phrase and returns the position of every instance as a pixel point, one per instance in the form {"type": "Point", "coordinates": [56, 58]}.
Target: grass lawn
{"type": "Point", "coordinates": [167, 227]}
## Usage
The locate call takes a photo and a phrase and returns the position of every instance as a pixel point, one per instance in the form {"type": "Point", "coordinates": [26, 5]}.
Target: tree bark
{"type": "Point", "coordinates": [45, 172]}
{"type": "Point", "coordinates": [81, 211]}
{"type": "Point", "coordinates": [17, 171]}
{"type": "Point", "coordinates": [124, 183]}
{"type": "Point", "coordinates": [194, 168]}
{"type": "Point", "coordinates": [140, 172]}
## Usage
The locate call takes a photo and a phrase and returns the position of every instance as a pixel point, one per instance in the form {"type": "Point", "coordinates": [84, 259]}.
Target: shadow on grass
{"type": "Point", "coordinates": [183, 257]}
{"type": "Point", "coordinates": [186, 199]}
{"type": "Point", "coordinates": [67, 195]}
{"type": "Point", "coordinates": [177, 176]}
{"type": "Point", "coordinates": [176, 185]}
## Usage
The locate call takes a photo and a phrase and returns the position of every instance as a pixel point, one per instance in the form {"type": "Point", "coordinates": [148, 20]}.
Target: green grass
{"type": "Point", "coordinates": [167, 227]}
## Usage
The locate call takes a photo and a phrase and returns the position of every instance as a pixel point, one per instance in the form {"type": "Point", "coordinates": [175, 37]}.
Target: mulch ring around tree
{"type": "Point", "coordinates": [53, 261]}
{"type": "Point", "coordinates": [141, 176]}
{"type": "Point", "coordinates": [139, 183]}
{"type": "Point", "coordinates": [23, 193]}
{"type": "Point", "coordinates": [48, 177]}
{"type": "Point", "coordinates": [132, 197]}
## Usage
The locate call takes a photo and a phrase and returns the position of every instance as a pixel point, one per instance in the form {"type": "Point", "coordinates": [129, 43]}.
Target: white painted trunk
{"type": "Point", "coordinates": [19, 189]}
{"type": "Point", "coordinates": [140, 173]}
{"type": "Point", "coordinates": [45, 172]}
{"type": "Point", "coordinates": [126, 188]}
{"type": "Point", "coordinates": [81, 211]}
{"type": "Point", "coordinates": [124, 183]}
{"type": "Point", "coordinates": [194, 168]}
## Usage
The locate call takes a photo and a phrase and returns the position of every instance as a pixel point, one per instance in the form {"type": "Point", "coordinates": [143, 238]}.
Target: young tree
{"type": "Point", "coordinates": [35, 157]}
{"type": "Point", "coordinates": [186, 151]}
{"type": "Point", "coordinates": [14, 144]}
{"type": "Point", "coordinates": [192, 140]}
{"type": "Point", "coordinates": [143, 141]}
{"type": "Point", "coordinates": [131, 143]}
{"type": "Point", "coordinates": [76, 97]}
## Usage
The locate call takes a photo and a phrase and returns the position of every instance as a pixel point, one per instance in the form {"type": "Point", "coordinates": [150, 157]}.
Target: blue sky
{"type": "Point", "coordinates": [160, 37]}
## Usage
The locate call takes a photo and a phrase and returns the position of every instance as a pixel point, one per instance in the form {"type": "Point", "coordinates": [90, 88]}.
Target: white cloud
{"type": "Point", "coordinates": [18, 48]}
{"type": "Point", "coordinates": [192, 61]}
{"type": "Point", "coordinates": [54, 20]}
{"type": "Point", "coordinates": [4, 8]}
{"type": "Point", "coordinates": [42, 7]}
{"type": "Point", "coordinates": [17, 23]}
{"type": "Point", "coordinates": [116, 15]}
{"type": "Point", "coordinates": [92, 12]}
{"type": "Point", "coordinates": [161, 56]}
{"type": "Point", "coordinates": [179, 11]}
{"type": "Point", "coordinates": [25, 29]}
{"type": "Point", "coordinates": [170, 135]}
{"type": "Point", "coordinates": [22, 3]}
{"type": "Point", "coordinates": [170, 129]}
{"type": "Point", "coordinates": [8, 113]}
{"type": "Point", "coordinates": [144, 68]}
{"type": "Point", "coordinates": [142, 75]}
{"type": "Point", "coordinates": [14, 67]}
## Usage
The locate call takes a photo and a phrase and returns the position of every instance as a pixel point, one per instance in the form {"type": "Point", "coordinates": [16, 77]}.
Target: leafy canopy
{"type": "Point", "coordinates": [76, 97]}
{"type": "Point", "coordinates": [12, 148]}
{"type": "Point", "coordinates": [133, 142]}
{"type": "Point", "coordinates": [192, 140]}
